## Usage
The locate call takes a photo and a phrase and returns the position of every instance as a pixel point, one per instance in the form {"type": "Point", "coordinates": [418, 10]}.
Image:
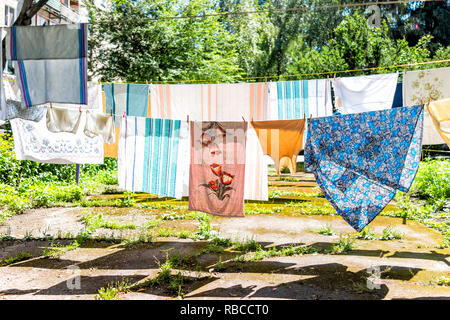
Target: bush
{"type": "Point", "coordinates": [433, 181]}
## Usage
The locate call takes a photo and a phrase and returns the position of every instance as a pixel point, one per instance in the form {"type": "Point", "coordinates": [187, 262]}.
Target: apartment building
{"type": "Point", "coordinates": [53, 12]}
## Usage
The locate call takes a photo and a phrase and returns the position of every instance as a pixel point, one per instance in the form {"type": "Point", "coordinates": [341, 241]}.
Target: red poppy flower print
{"type": "Point", "coordinates": [214, 184]}
{"type": "Point", "coordinates": [206, 139]}
{"type": "Point", "coordinates": [227, 178]}
{"type": "Point", "coordinates": [216, 169]}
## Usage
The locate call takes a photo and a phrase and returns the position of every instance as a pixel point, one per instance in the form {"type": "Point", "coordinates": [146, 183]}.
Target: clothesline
{"type": "Point", "coordinates": [286, 10]}
{"type": "Point", "coordinates": [282, 76]}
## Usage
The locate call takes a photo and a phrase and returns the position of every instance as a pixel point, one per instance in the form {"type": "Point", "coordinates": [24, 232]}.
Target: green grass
{"type": "Point", "coordinates": [443, 281]}
{"type": "Point", "coordinates": [325, 231]}
{"type": "Point", "coordinates": [112, 291]}
{"type": "Point", "coordinates": [56, 250]}
{"type": "Point", "coordinates": [344, 245]}
{"type": "Point", "coordinates": [17, 258]}
{"type": "Point", "coordinates": [97, 220]}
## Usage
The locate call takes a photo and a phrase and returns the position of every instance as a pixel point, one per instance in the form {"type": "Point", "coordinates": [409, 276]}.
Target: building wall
{"type": "Point", "coordinates": [54, 12]}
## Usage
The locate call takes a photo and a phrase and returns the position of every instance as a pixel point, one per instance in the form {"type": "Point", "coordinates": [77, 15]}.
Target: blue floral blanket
{"type": "Point", "coordinates": [360, 160]}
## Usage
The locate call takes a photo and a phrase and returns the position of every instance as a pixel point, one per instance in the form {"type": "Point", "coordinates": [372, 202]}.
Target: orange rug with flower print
{"type": "Point", "coordinates": [217, 169]}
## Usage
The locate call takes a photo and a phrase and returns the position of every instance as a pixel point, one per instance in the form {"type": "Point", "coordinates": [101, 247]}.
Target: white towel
{"type": "Point", "coordinates": [33, 141]}
{"type": "Point", "coordinates": [420, 85]}
{"type": "Point", "coordinates": [102, 125]}
{"type": "Point", "coordinates": [256, 172]}
{"type": "Point", "coordinates": [365, 93]}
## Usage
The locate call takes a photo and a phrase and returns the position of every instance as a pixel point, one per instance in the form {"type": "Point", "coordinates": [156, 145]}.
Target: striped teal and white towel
{"type": "Point", "coordinates": [154, 156]}
{"type": "Point", "coordinates": [293, 99]}
{"type": "Point", "coordinates": [128, 98]}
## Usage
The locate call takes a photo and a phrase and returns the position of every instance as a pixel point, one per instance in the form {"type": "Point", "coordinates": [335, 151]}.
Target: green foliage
{"type": "Point", "coordinates": [432, 181]}
{"type": "Point", "coordinates": [19, 257]}
{"type": "Point", "coordinates": [112, 291]}
{"type": "Point", "coordinates": [127, 200]}
{"type": "Point", "coordinates": [344, 245]}
{"type": "Point", "coordinates": [326, 231]}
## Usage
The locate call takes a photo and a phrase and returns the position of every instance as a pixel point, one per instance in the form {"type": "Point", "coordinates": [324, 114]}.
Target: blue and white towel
{"type": "Point", "coordinates": [154, 156]}
{"type": "Point", "coordinates": [360, 160]}
{"type": "Point", "coordinates": [50, 63]}
{"type": "Point", "coordinates": [293, 99]}
{"type": "Point", "coordinates": [128, 98]}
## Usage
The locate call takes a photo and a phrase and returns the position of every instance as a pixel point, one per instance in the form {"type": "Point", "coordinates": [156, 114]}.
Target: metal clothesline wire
{"type": "Point", "coordinates": [289, 75]}
{"type": "Point", "coordinates": [286, 10]}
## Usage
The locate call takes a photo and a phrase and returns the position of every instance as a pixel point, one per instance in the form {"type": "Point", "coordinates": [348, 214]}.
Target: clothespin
{"type": "Point", "coordinates": [429, 100]}
{"type": "Point", "coordinates": [335, 76]}
{"type": "Point", "coordinates": [310, 116]}
{"type": "Point", "coordinates": [51, 105]}
{"type": "Point", "coordinates": [187, 118]}
{"type": "Point", "coordinates": [79, 108]}
{"type": "Point", "coordinates": [328, 77]}
{"type": "Point", "coordinates": [304, 115]}
{"type": "Point", "coordinates": [111, 112]}
{"type": "Point", "coordinates": [243, 119]}
{"type": "Point", "coordinates": [124, 114]}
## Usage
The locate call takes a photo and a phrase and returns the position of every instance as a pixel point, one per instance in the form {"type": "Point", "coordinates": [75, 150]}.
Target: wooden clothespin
{"type": "Point", "coordinates": [310, 117]}
{"type": "Point", "coordinates": [304, 115]}
{"type": "Point", "coordinates": [51, 105]}
{"type": "Point", "coordinates": [187, 118]}
{"type": "Point", "coordinates": [429, 100]}
{"type": "Point", "coordinates": [334, 76]}
{"type": "Point", "coordinates": [243, 119]}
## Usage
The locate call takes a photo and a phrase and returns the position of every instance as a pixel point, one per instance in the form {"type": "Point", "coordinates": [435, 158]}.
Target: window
{"type": "Point", "coordinates": [9, 15]}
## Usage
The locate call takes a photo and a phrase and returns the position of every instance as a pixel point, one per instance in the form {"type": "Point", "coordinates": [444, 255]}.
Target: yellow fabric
{"type": "Point", "coordinates": [282, 140]}
{"type": "Point", "coordinates": [440, 114]}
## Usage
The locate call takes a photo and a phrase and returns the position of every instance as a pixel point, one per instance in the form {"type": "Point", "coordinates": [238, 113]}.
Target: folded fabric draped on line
{"type": "Point", "coordinates": [294, 99]}
{"type": "Point", "coordinates": [365, 93]}
{"type": "Point", "coordinates": [49, 70]}
{"type": "Point", "coordinates": [100, 125]}
{"type": "Point", "coordinates": [359, 160]}
{"type": "Point", "coordinates": [282, 140]}
{"type": "Point", "coordinates": [439, 112]}
{"type": "Point", "coordinates": [12, 108]}
{"type": "Point", "coordinates": [126, 98]}
{"type": "Point", "coordinates": [217, 168]}
{"type": "Point", "coordinates": [33, 141]}
{"type": "Point", "coordinates": [421, 85]}
{"type": "Point", "coordinates": [153, 156]}
{"type": "Point", "coordinates": [66, 120]}
{"type": "Point", "coordinates": [210, 102]}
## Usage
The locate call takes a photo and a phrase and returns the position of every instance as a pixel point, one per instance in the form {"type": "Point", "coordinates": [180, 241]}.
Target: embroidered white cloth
{"type": "Point", "coordinates": [33, 141]}
{"type": "Point", "coordinates": [154, 156]}
{"type": "Point", "coordinates": [365, 93]}
{"type": "Point", "coordinates": [420, 85]}
{"type": "Point", "coordinates": [102, 125]}
{"type": "Point", "coordinates": [210, 102]}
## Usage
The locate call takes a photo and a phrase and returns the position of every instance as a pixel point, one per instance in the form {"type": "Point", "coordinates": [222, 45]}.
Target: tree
{"type": "Point", "coordinates": [162, 50]}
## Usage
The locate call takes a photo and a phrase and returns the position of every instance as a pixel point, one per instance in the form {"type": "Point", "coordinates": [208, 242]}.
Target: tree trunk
{"type": "Point", "coordinates": [29, 9]}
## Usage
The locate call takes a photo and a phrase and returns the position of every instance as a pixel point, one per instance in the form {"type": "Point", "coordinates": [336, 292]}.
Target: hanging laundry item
{"type": "Point", "coordinates": [128, 98]}
{"type": "Point", "coordinates": [153, 156]}
{"type": "Point", "coordinates": [63, 120]}
{"type": "Point", "coordinates": [50, 63]}
{"type": "Point", "coordinates": [420, 85]}
{"type": "Point", "coordinates": [33, 141]}
{"type": "Point", "coordinates": [102, 125]}
{"type": "Point", "coordinates": [360, 160]}
{"type": "Point", "coordinates": [364, 93]}
{"type": "Point", "coordinates": [256, 173]}
{"type": "Point", "coordinates": [210, 102]}
{"type": "Point", "coordinates": [398, 96]}
{"type": "Point", "coordinates": [439, 112]}
{"type": "Point", "coordinates": [217, 168]}
{"type": "Point", "coordinates": [282, 140]}
{"type": "Point", "coordinates": [294, 99]}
